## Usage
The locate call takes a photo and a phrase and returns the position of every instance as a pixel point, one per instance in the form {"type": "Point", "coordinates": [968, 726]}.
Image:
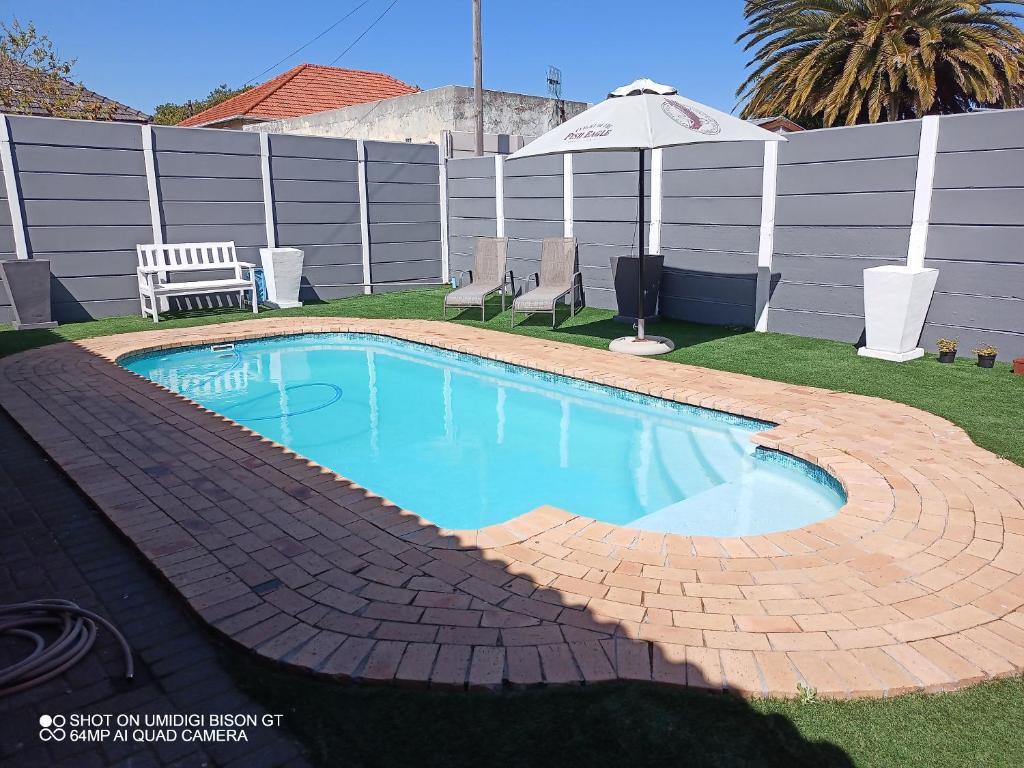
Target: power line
{"type": "Point", "coordinates": [307, 44]}
{"type": "Point", "coordinates": [364, 32]}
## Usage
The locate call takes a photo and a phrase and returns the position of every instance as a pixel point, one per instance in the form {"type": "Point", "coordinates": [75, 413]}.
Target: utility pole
{"type": "Point", "coordinates": [478, 78]}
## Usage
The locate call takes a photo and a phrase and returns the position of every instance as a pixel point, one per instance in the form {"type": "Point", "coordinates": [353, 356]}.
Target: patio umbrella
{"type": "Point", "coordinates": [636, 117]}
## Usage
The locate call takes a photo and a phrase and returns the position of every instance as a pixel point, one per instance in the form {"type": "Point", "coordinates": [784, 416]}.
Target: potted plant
{"type": "Point", "coordinates": [947, 350]}
{"type": "Point", "coordinates": [986, 355]}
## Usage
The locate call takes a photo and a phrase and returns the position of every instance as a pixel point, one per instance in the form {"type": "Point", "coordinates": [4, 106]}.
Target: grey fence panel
{"type": "Point", "coordinates": [977, 226]}
{"type": "Point", "coordinates": [471, 208]}
{"type": "Point", "coordinates": [333, 255]}
{"type": "Point", "coordinates": [404, 212]}
{"type": "Point", "coordinates": [187, 189]}
{"type": "Point", "coordinates": [307, 169]}
{"type": "Point", "coordinates": [534, 210]}
{"type": "Point", "coordinates": [316, 213]}
{"type": "Point", "coordinates": [982, 131]}
{"type": "Point", "coordinates": [53, 132]}
{"type": "Point", "coordinates": [604, 214]}
{"type": "Point", "coordinates": [72, 186]}
{"type": "Point", "coordinates": [306, 235]}
{"type": "Point", "coordinates": [283, 145]}
{"type": "Point", "coordinates": [86, 206]}
{"type": "Point", "coordinates": [711, 213]}
{"type": "Point", "coordinates": [96, 264]}
{"type": "Point", "coordinates": [711, 156]}
{"type": "Point", "coordinates": [202, 212]}
{"type": "Point", "coordinates": [210, 213]}
{"type": "Point", "coordinates": [845, 200]}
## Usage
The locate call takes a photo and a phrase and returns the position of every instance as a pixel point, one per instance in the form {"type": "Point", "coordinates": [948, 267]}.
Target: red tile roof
{"type": "Point", "coordinates": [306, 89]}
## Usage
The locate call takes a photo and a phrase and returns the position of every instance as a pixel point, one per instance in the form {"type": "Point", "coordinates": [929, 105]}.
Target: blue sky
{"type": "Point", "coordinates": [144, 53]}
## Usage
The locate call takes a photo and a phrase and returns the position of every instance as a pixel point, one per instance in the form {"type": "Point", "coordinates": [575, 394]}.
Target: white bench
{"type": "Point", "coordinates": [157, 264]}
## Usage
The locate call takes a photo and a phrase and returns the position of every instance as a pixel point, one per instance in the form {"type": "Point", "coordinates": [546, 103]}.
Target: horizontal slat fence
{"type": "Point", "coordinates": [844, 202]}
{"type": "Point", "coordinates": [85, 203]}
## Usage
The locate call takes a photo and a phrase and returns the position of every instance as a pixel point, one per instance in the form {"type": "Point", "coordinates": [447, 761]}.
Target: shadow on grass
{"type": "Point", "coordinates": [615, 724]}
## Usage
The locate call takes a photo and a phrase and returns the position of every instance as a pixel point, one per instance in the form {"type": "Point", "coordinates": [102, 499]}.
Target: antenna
{"type": "Point", "coordinates": [554, 82]}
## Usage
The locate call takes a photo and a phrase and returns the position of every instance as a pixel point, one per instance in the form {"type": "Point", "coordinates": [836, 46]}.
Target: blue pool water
{"type": "Point", "coordinates": [467, 442]}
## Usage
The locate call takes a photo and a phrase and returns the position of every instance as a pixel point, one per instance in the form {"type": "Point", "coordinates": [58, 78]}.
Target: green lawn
{"type": "Point", "coordinates": [636, 724]}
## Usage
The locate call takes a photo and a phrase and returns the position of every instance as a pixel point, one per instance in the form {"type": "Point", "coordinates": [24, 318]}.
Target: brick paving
{"type": "Point", "coordinates": [917, 583]}
{"type": "Point", "coordinates": [56, 544]}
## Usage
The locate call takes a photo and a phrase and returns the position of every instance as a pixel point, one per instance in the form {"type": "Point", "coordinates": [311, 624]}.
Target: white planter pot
{"type": "Point", "coordinates": [896, 301]}
{"type": "Point", "coordinates": [282, 268]}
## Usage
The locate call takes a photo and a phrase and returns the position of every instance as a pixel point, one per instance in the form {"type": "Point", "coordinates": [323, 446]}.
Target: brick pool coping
{"type": "Point", "coordinates": [916, 584]}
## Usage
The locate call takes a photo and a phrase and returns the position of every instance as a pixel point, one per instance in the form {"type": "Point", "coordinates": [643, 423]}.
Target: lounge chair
{"type": "Point", "coordinates": [557, 279]}
{"type": "Point", "coordinates": [488, 276]}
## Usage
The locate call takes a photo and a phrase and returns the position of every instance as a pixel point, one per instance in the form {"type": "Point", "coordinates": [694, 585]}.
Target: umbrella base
{"type": "Point", "coordinates": [650, 345]}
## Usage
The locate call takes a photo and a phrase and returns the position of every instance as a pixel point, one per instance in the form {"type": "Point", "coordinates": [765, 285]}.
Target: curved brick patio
{"type": "Point", "coordinates": [916, 584]}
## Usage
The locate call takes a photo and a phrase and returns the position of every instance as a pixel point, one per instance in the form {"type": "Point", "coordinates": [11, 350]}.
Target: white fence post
{"type": "Point", "coordinates": [923, 191]}
{"type": "Point", "coordinates": [13, 190]}
{"type": "Point", "coordinates": [499, 196]}
{"type": "Point", "coordinates": [148, 156]}
{"type": "Point", "coordinates": [442, 178]}
{"type": "Point", "coordinates": [268, 190]}
{"type": "Point", "coordinates": [364, 215]}
{"type": "Point", "coordinates": [567, 213]}
{"type": "Point", "coordinates": [654, 234]}
{"type": "Point", "coordinates": [766, 242]}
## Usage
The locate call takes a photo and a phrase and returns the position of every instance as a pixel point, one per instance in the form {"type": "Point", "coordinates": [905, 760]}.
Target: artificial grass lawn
{"type": "Point", "coordinates": [636, 724]}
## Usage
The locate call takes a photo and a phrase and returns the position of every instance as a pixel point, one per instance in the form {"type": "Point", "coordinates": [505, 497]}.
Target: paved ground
{"type": "Point", "coordinates": [55, 544]}
{"type": "Point", "coordinates": [916, 584]}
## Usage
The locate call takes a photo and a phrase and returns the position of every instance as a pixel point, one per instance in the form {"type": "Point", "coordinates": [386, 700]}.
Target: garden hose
{"type": "Point", "coordinates": [75, 628]}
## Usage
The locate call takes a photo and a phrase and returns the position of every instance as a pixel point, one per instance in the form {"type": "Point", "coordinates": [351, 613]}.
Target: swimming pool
{"type": "Point", "coordinates": [467, 442]}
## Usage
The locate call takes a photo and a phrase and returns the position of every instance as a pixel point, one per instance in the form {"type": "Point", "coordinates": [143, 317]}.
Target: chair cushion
{"type": "Point", "coordinates": [540, 299]}
{"type": "Point", "coordinates": [472, 295]}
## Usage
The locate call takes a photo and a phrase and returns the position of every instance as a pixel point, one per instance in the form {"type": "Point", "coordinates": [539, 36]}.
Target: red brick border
{"type": "Point", "coordinates": [916, 584]}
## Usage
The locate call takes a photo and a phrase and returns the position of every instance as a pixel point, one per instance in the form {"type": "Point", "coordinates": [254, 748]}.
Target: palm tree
{"type": "Point", "coordinates": [857, 61]}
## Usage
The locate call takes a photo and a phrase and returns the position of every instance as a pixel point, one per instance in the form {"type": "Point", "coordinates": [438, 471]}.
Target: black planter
{"type": "Point", "coordinates": [28, 286]}
{"type": "Point", "coordinates": [986, 361]}
{"type": "Point", "coordinates": [947, 357]}
{"type": "Point", "coordinates": [624, 275]}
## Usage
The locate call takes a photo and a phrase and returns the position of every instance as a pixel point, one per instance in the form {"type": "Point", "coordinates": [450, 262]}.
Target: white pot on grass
{"type": "Point", "coordinates": [896, 300]}
{"type": "Point", "coordinates": [282, 268]}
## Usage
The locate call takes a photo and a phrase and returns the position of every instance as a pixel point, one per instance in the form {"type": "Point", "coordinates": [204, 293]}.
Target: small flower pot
{"type": "Point", "coordinates": [947, 357]}
{"type": "Point", "coordinates": [1018, 366]}
{"type": "Point", "coordinates": [986, 361]}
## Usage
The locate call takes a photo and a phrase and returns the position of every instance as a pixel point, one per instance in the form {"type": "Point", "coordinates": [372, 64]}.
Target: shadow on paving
{"type": "Point", "coordinates": [303, 569]}
{"type": "Point", "coordinates": [56, 544]}
{"type": "Point", "coordinates": [615, 724]}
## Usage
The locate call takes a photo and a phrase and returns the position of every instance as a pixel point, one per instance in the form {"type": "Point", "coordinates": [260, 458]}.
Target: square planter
{"type": "Point", "coordinates": [28, 286]}
{"type": "Point", "coordinates": [282, 268]}
{"type": "Point", "coordinates": [896, 301]}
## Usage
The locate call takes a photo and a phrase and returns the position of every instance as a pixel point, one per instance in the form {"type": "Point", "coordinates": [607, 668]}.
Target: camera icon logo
{"type": "Point", "coordinates": [52, 728]}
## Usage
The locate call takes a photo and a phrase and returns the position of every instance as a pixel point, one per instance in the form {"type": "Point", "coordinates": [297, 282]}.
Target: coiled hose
{"type": "Point", "coordinates": [76, 633]}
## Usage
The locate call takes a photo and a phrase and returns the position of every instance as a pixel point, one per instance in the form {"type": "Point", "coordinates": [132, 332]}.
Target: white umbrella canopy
{"type": "Point", "coordinates": [643, 115]}
{"type": "Point", "coordinates": [639, 116]}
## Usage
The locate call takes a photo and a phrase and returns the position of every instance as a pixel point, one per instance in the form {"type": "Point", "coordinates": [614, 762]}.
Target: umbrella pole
{"type": "Point", "coordinates": [641, 315]}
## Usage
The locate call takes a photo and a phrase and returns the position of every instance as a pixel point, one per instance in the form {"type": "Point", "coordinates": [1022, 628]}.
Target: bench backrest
{"type": "Point", "coordinates": [212, 255]}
